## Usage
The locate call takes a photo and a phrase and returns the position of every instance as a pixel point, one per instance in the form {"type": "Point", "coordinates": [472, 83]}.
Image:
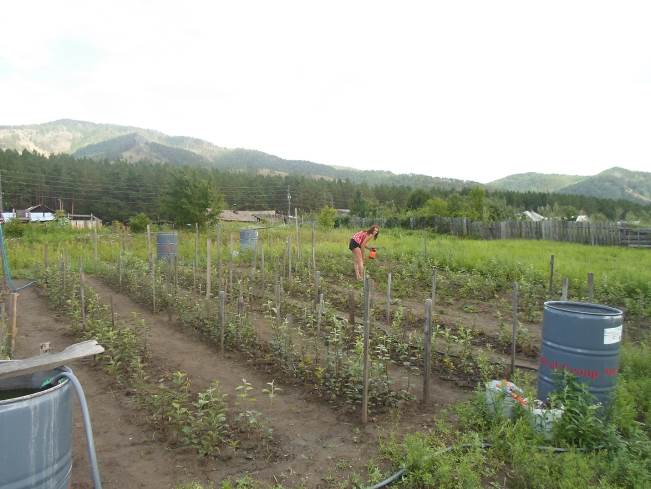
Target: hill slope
{"type": "Point", "coordinates": [540, 182]}
{"type": "Point", "coordinates": [113, 142]}
{"type": "Point", "coordinates": [616, 183]}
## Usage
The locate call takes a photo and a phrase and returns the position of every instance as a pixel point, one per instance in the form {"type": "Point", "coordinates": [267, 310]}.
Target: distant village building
{"type": "Point", "coordinates": [533, 216]}
{"type": "Point", "coordinates": [343, 212]}
{"type": "Point", "coordinates": [248, 216]}
{"type": "Point", "coordinates": [84, 221]}
{"type": "Point", "coordinates": [36, 213]}
{"type": "Point", "coordinates": [582, 218]}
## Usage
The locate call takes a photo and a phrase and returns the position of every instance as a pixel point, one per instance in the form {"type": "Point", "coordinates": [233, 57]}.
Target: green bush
{"type": "Point", "coordinates": [14, 229]}
{"type": "Point", "coordinates": [327, 217]}
{"type": "Point", "coordinates": [139, 222]}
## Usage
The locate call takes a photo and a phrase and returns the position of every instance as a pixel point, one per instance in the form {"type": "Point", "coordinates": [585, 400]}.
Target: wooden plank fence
{"type": "Point", "coordinates": [554, 230]}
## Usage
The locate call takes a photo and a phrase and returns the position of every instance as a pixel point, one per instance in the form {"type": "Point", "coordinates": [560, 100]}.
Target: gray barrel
{"type": "Point", "coordinates": [166, 245]}
{"type": "Point", "coordinates": [35, 433]}
{"type": "Point", "coordinates": [583, 339]}
{"type": "Point", "coordinates": [248, 239]}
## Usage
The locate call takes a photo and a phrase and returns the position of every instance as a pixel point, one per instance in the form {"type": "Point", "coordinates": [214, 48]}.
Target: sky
{"type": "Point", "coordinates": [464, 89]}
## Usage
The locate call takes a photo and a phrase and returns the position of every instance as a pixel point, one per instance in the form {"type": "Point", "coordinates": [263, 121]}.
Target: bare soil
{"type": "Point", "coordinates": [315, 444]}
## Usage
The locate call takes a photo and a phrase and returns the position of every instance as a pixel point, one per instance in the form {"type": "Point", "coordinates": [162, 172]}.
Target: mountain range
{"type": "Point", "coordinates": [112, 142]}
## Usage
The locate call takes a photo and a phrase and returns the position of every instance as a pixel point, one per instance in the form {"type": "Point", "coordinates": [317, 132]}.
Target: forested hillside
{"type": "Point", "coordinates": [531, 181]}
{"type": "Point", "coordinates": [166, 192]}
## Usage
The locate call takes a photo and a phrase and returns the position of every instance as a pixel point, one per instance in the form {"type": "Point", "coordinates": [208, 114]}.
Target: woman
{"type": "Point", "coordinates": [357, 244]}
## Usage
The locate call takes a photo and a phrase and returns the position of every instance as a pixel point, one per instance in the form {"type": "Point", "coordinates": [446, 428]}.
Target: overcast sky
{"type": "Point", "coordinates": [463, 89]}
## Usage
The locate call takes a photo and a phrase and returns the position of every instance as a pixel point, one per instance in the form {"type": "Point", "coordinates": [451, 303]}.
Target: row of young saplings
{"type": "Point", "coordinates": [314, 345]}
{"type": "Point", "coordinates": [203, 420]}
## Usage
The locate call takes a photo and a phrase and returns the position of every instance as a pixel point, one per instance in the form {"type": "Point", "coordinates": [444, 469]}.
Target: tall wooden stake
{"type": "Point", "coordinates": [514, 334]}
{"type": "Point", "coordinates": [313, 248]}
{"type": "Point", "coordinates": [14, 326]}
{"type": "Point", "coordinates": [566, 289]}
{"type": "Point", "coordinates": [319, 313]}
{"type": "Point", "coordinates": [317, 288]}
{"type": "Point", "coordinates": [551, 275]}
{"type": "Point", "coordinates": [389, 299]}
{"type": "Point", "coordinates": [219, 256]}
{"type": "Point", "coordinates": [351, 307]}
{"type": "Point", "coordinates": [153, 286]}
{"type": "Point", "coordinates": [149, 254]}
{"type": "Point", "coordinates": [222, 314]}
{"type": "Point", "coordinates": [433, 287]}
{"type": "Point", "coordinates": [208, 268]}
{"type": "Point", "coordinates": [289, 258]}
{"type": "Point", "coordinates": [591, 287]}
{"type": "Point", "coordinates": [427, 351]}
{"type": "Point", "coordinates": [367, 326]}
{"type": "Point", "coordinates": [82, 297]}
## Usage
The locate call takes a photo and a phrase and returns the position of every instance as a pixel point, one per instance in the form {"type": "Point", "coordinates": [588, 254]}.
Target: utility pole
{"type": "Point", "coordinates": [289, 203]}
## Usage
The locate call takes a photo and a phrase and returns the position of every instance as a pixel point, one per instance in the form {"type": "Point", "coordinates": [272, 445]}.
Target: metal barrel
{"type": "Point", "coordinates": [166, 245]}
{"type": "Point", "coordinates": [248, 239]}
{"type": "Point", "coordinates": [583, 339]}
{"type": "Point", "coordinates": [35, 433]}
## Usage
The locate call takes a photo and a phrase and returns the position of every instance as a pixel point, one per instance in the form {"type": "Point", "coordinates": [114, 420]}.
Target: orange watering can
{"type": "Point", "coordinates": [371, 255]}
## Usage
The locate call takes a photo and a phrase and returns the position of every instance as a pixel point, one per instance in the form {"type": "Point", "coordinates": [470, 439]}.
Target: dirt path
{"type": "Point", "coordinates": [128, 453]}
{"type": "Point", "coordinates": [311, 436]}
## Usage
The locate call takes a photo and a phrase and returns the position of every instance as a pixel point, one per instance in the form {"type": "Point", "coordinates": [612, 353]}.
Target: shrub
{"type": "Point", "coordinates": [139, 222]}
{"type": "Point", "coordinates": [14, 229]}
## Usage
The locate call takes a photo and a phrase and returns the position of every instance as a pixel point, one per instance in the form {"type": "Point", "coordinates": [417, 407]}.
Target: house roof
{"type": "Point", "coordinates": [245, 216]}
{"type": "Point", "coordinates": [39, 208]}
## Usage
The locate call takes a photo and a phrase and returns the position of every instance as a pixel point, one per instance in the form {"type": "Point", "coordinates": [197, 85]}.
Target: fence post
{"type": "Point", "coordinates": [427, 351]}
{"type": "Point", "coordinates": [566, 287]}
{"type": "Point", "coordinates": [319, 313]}
{"type": "Point", "coordinates": [514, 335]}
{"type": "Point", "coordinates": [289, 258]}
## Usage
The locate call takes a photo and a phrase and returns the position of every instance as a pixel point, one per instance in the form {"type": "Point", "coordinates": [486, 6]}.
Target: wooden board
{"type": "Point", "coordinates": [49, 361]}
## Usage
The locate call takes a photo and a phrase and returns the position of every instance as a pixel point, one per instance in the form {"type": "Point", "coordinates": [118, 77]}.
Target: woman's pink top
{"type": "Point", "coordinates": [359, 237]}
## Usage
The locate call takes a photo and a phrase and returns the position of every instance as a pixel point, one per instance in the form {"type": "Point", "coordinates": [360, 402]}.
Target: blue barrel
{"type": "Point", "coordinates": [583, 339]}
{"type": "Point", "coordinates": [166, 245]}
{"type": "Point", "coordinates": [248, 239]}
{"type": "Point", "coordinates": [35, 433]}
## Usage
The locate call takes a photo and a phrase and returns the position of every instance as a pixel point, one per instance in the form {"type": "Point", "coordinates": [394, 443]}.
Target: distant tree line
{"type": "Point", "coordinates": [185, 194]}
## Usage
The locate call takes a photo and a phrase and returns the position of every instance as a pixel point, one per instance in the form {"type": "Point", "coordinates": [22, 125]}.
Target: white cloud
{"type": "Point", "coordinates": [472, 90]}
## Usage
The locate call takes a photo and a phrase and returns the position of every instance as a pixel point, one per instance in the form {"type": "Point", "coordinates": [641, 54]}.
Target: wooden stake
{"type": "Point", "coordinates": [153, 286]}
{"type": "Point", "coordinates": [218, 245]}
{"type": "Point", "coordinates": [112, 314]}
{"type": "Point", "coordinates": [317, 288]}
{"type": "Point", "coordinates": [566, 287]}
{"type": "Point", "coordinates": [433, 287]}
{"type": "Point", "coordinates": [367, 326]}
{"type": "Point", "coordinates": [389, 299]}
{"type": "Point", "coordinates": [208, 268]}
{"type": "Point", "coordinates": [289, 258]}
{"type": "Point", "coordinates": [514, 335]}
{"type": "Point", "coordinates": [82, 297]}
{"type": "Point", "coordinates": [319, 313]}
{"type": "Point", "coordinates": [14, 325]}
{"type": "Point", "coordinates": [222, 313]}
{"type": "Point", "coordinates": [95, 239]}
{"type": "Point", "coordinates": [591, 287]}
{"type": "Point", "coordinates": [427, 351]}
{"type": "Point", "coordinates": [298, 237]}
{"type": "Point", "coordinates": [313, 248]}
{"type": "Point", "coordinates": [551, 275]}
{"type": "Point", "coordinates": [149, 253]}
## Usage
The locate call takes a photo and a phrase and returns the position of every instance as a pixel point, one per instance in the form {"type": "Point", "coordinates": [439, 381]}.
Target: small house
{"type": "Point", "coordinates": [36, 213]}
{"type": "Point", "coordinates": [532, 216]}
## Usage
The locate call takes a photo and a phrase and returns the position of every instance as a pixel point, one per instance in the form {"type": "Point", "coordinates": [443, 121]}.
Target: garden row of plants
{"type": "Point", "coordinates": [201, 420]}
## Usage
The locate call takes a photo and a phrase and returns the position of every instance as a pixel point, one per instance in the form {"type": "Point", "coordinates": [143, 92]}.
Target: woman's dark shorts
{"type": "Point", "coordinates": [353, 244]}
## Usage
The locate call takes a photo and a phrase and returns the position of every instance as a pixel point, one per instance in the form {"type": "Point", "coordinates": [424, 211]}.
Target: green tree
{"type": "Point", "coordinates": [327, 217]}
{"type": "Point", "coordinates": [139, 222]}
{"type": "Point", "coordinates": [435, 207]}
{"type": "Point", "coordinates": [190, 199]}
{"type": "Point", "coordinates": [417, 199]}
{"type": "Point", "coordinates": [360, 205]}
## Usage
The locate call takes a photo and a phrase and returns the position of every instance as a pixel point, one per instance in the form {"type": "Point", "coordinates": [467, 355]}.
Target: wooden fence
{"type": "Point", "coordinates": [555, 230]}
